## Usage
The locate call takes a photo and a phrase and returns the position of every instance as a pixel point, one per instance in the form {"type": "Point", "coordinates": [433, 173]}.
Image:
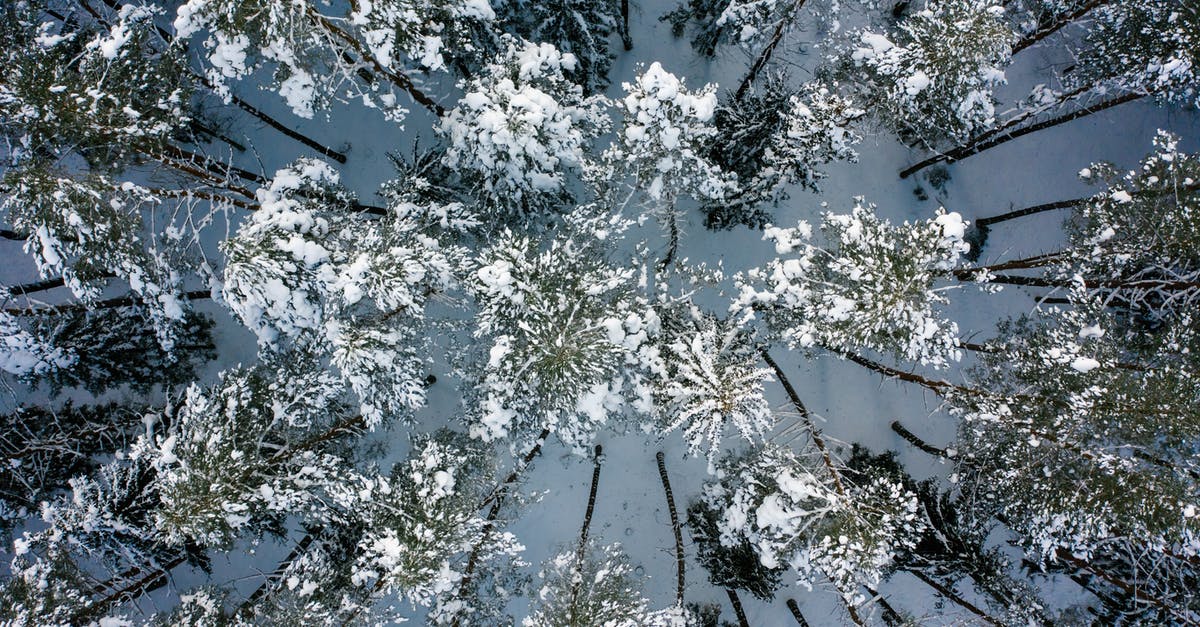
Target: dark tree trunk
{"type": "Point", "coordinates": [977, 147]}
{"type": "Point", "coordinates": [765, 54]}
{"type": "Point", "coordinates": [803, 411]}
{"type": "Point", "coordinates": [675, 527]}
{"type": "Point", "coordinates": [737, 607]}
{"type": "Point", "coordinates": [916, 441]}
{"type": "Point", "coordinates": [947, 593]}
{"type": "Point", "coordinates": [247, 607]}
{"type": "Point", "coordinates": [626, 38]}
{"type": "Point", "coordinates": [1058, 24]}
{"type": "Point", "coordinates": [795, 610]}
{"type": "Point", "coordinates": [581, 550]}
{"type": "Point", "coordinates": [891, 617]}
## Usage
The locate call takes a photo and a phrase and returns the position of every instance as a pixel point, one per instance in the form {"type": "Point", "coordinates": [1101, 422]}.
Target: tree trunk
{"type": "Point", "coordinates": [112, 303]}
{"type": "Point", "coordinates": [891, 617]}
{"type": "Point", "coordinates": [795, 610]}
{"type": "Point", "coordinates": [201, 128]}
{"type": "Point", "coordinates": [947, 593]}
{"type": "Point", "coordinates": [816, 435]}
{"type": "Point", "coordinates": [1058, 24]}
{"type": "Point", "coordinates": [765, 54]}
{"type": "Point", "coordinates": [626, 37]}
{"type": "Point", "coordinates": [675, 527]}
{"type": "Point", "coordinates": [581, 550]}
{"type": "Point", "coordinates": [496, 498]}
{"type": "Point", "coordinates": [916, 441]}
{"type": "Point", "coordinates": [977, 147]}
{"type": "Point", "coordinates": [247, 606]}
{"type": "Point", "coordinates": [978, 235]}
{"type": "Point", "coordinates": [673, 241]}
{"type": "Point", "coordinates": [737, 607]}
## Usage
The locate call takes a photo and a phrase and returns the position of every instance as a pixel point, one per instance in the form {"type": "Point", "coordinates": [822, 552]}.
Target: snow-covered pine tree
{"type": "Point", "coordinates": [932, 79]}
{"type": "Point", "coordinates": [663, 144]}
{"type": "Point", "coordinates": [260, 446]}
{"type": "Point", "coordinates": [423, 520]}
{"type": "Point", "coordinates": [703, 16]}
{"type": "Point", "coordinates": [520, 125]}
{"type": "Point", "coordinates": [610, 593]}
{"type": "Point", "coordinates": [559, 325]}
{"type": "Point", "coordinates": [1149, 47]}
{"type": "Point", "coordinates": [775, 137]}
{"type": "Point", "coordinates": [315, 277]}
{"type": "Point", "coordinates": [111, 349]}
{"type": "Point", "coordinates": [794, 513]}
{"type": "Point", "coordinates": [86, 230]}
{"type": "Point", "coordinates": [70, 88]}
{"type": "Point", "coordinates": [706, 377]}
{"type": "Point", "coordinates": [582, 28]}
{"type": "Point", "coordinates": [730, 563]}
{"type": "Point", "coordinates": [1136, 242]}
{"type": "Point", "coordinates": [318, 58]}
{"type": "Point", "coordinates": [870, 285]}
{"type": "Point", "coordinates": [45, 447]}
{"type": "Point", "coordinates": [1080, 439]}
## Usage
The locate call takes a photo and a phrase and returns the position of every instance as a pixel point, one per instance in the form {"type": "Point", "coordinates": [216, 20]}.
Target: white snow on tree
{"type": "Point", "coordinates": [933, 78]}
{"type": "Point", "coordinates": [103, 94]}
{"type": "Point", "coordinates": [869, 285]}
{"type": "Point", "coordinates": [559, 326]}
{"type": "Point", "coordinates": [706, 377]}
{"type": "Point", "coordinates": [596, 586]}
{"type": "Point", "coordinates": [422, 520]}
{"type": "Point", "coordinates": [1150, 47]}
{"type": "Point", "coordinates": [425, 32]}
{"type": "Point", "coordinates": [248, 453]}
{"type": "Point", "coordinates": [26, 353]}
{"type": "Point", "coordinates": [311, 274]}
{"type": "Point", "coordinates": [794, 512]}
{"type": "Point", "coordinates": [662, 145]}
{"type": "Point", "coordinates": [520, 125]}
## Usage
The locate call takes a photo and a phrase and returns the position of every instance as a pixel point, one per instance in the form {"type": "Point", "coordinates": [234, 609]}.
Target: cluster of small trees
{"type": "Point", "coordinates": [511, 248]}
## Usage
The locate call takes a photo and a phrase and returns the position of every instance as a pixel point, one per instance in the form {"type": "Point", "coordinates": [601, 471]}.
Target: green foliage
{"type": "Point", "coordinates": [733, 565]}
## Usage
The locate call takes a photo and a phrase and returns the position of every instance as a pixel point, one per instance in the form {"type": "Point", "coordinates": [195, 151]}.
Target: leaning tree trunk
{"type": "Point", "coordinates": [1058, 24]}
{"type": "Point", "coordinates": [950, 594]}
{"type": "Point", "coordinates": [737, 607]}
{"type": "Point", "coordinates": [978, 235]}
{"type": "Point", "coordinates": [977, 147]}
{"type": "Point", "coordinates": [626, 37]}
{"type": "Point", "coordinates": [803, 411]}
{"type": "Point", "coordinates": [581, 550]}
{"type": "Point", "coordinates": [496, 498]}
{"type": "Point", "coordinates": [765, 54]}
{"type": "Point", "coordinates": [795, 610]}
{"type": "Point", "coordinates": [916, 441]}
{"type": "Point", "coordinates": [675, 527]}
{"type": "Point", "coordinates": [890, 616]}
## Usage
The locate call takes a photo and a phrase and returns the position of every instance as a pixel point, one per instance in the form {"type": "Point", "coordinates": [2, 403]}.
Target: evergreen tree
{"type": "Point", "coordinates": [595, 587]}
{"type": "Point", "coordinates": [559, 325]}
{"type": "Point", "coordinates": [797, 514]}
{"type": "Point", "coordinates": [521, 123]}
{"type": "Point", "coordinates": [932, 79]}
{"type": "Point", "coordinates": [581, 28]}
{"type": "Point", "coordinates": [730, 563]}
{"type": "Point", "coordinates": [774, 138]}
{"type": "Point", "coordinates": [706, 378]}
{"type": "Point", "coordinates": [871, 285]}
{"type": "Point", "coordinates": [310, 274]}
{"type": "Point", "coordinates": [663, 145]}
{"type": "Point", "coordinates": [71, 88]}
{"type": "Point", "coordinates": [1082, 443]}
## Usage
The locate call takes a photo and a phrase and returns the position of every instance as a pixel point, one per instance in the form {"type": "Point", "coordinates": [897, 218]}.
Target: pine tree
{"type": "Point", "coordinates": [310, 274]}
{"type": "Point", "coordinates": [870, 285]}
{"type": "Point", "coordinates": [582, 28]}
{"type": "Point", "coordinates": [775, 138]}
{"type": "Point", "coordinates": [70, 88]}
{"type": "Point", "coordinates": [1080, 442]}
{"type": "Point", "coordinates": [730, 563]}
{"type": "Point", "coordinates": [705, 379]}
{"type": "Point", "coordinates": [521, 123]}
{"type": "Point", "coordinates": [558, 323]}
{"type": "Point", "coordinates": [793, 513]}
{"type": "Point", "coordinates": [663, 144]}
{"type": "Point", "coordinates": [612, 594]}
{"type": "Point", "coordinates": [238, 459]}
{"type": "Point", "coordinates": [932, 79]}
